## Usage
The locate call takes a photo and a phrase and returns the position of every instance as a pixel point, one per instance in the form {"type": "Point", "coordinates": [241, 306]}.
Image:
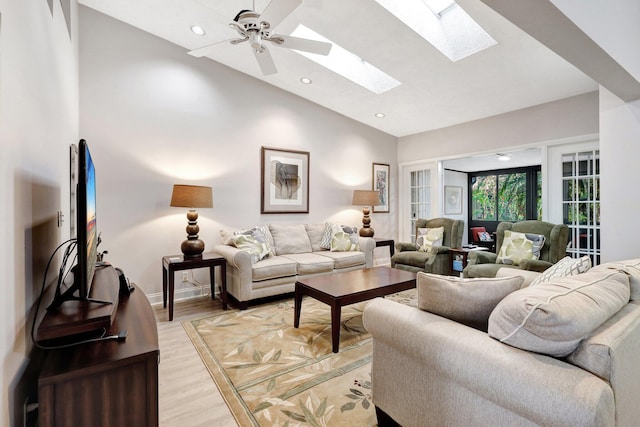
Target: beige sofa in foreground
{"type": "Point", "coordinates": [430, 370]}
{"type": "Point", "coordinates": [297, 251]}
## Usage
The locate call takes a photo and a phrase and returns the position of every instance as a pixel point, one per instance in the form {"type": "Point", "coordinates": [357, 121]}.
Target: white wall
{"type": "Point", "coordinates": [154, 116]}
{"type": "Point", "coordinates": [565, 118]}
{"type": "Point", "coordinates": [619, 151]}
{"type": "Point", "coordinates": [38, 121]}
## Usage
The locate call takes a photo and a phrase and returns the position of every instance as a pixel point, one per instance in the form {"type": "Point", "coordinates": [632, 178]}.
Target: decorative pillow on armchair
{"type": "Point", "coordinates": [344, 239]}
{"type": "Point", "coordinates": [428, 237]}
{"type": "Point", "coordinates": [567, 266]}
{"type": "Point", "coordinates": [519, 246]}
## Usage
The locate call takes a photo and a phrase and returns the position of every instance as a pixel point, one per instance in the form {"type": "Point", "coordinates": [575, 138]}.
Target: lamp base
{"type": "Point", "coordinates": [366, 232]}
{"type": "Point", "coordinates": [192, 248]}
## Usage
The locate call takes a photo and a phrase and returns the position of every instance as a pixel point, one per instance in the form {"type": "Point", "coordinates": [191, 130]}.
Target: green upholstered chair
{"type": "Point", "coordinates": [483, 264]}
{"type": "Point", "coordinates": [407, 257]}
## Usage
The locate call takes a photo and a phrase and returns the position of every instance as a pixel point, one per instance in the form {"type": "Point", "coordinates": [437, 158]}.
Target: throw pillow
{"type": "Point", "coordinates": [429, 237]}
{"type": "Point", "coordinates": [519, 246]}
{"type": "Point", "coordinates": [344, 239]}
{"type": "Point", "coordinates": [567, 266]}
{"type": "Point", "coordinates": [257, 249]}
{"type": "Point", "coordinates": [552, 318]}
{"type": "Point", "coordinates": [484, 236]}
{"type": "Point", "coordinates": [467, 301]}
{"type": "Point", "coordinates": [325, 243]}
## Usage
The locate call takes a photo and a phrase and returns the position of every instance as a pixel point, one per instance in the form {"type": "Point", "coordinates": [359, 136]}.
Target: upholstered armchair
{"type": "Point", "coordinates": [436, 260]}
{"type": "Point", "coordinates": [486, 264]}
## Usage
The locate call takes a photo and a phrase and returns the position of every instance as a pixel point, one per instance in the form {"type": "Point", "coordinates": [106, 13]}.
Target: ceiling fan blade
{"type": "Point", "coordinates": [265, 61]}
{"type": "Point", "coordinates": [297, 43]}
{"type": "Point", "coordinates": [277, 10]}
{"type": "Point", "coordinates": [206, 50]}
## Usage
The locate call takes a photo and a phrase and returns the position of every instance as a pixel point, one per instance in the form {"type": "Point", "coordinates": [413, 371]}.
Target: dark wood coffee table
{"type": "Point", "coordinates": [342, 289]}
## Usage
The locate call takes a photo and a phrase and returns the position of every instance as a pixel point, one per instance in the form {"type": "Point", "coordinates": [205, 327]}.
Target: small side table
{"type": "Point", "coordinates": [381, 241]}
{"type": "Point", "coordinates": [173, 263]}
{"type": "Point", "coordinates": [458, 258]}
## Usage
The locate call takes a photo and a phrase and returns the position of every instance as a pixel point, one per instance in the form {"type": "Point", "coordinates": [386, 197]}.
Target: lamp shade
{"type": "Point", "coordinates": [365, 198]}
{"type": "Point", "coordinates": [192, 196]}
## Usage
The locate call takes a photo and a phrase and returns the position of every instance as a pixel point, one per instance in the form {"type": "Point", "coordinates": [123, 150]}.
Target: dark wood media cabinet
{"type": "Point", "coordinates": [105, 383]}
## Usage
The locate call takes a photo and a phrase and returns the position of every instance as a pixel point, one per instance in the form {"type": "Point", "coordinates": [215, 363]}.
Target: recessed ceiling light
{"type": "Point", "coordinates": [347, 64]}
{"type": "Point", "coordinates": [197, 30]}
{"type": "Point", "coordinates": [306, 80]}
{"type": "Point", "coordinates": [503, 157]}
{"type": "Point", "coordinates": [380, 115]}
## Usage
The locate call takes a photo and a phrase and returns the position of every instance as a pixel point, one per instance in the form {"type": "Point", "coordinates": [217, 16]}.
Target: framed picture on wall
{"type": "Point", "coordinates": [381, 183]}
{"type": "Point", "coordinates": [452, 200]}
{"type": "Point", "coordinates": [284, 181]}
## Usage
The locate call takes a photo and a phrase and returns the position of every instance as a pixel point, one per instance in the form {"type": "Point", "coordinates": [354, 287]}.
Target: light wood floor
{"type": "Point", "coordinates": [188, 395]}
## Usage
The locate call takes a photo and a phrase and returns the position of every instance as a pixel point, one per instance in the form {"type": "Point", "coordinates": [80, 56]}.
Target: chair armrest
{"type": "Point", "coordinates": [481, 257]}
{"type": "Point", "coordinates": [403, 247]}
{"type": "Point", "coordinates": [534, 265]}
{"type": "Point", "coordinates": [436, 250]}
{"type": "Point", "coordinates": [450, 356]}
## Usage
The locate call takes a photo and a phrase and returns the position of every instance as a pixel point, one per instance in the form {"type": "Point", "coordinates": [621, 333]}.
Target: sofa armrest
{"type": "Point", "coordinates": [235, 257]}
{"type": "Point", "coordinates": [491, 380]}
{"type": "Point", "coordinates": [481, 257]}
{"type": "Point", "coordinates": [368, 246]}
{"type": "Point", "coordinates": [404, 246]}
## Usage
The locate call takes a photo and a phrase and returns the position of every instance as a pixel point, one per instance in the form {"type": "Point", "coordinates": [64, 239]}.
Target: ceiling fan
{"type": "Point", "coordinates": [255, 28]}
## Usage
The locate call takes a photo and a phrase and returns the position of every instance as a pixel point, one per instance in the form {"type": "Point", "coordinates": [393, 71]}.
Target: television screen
{"type": "Point", "coordinates": [87, 236]}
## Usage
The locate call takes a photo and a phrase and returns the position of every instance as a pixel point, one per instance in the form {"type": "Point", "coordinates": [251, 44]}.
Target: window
{"type": "Point", "coordinates": [420, 197]}
{"type": "Point", "coordinates": [504, 195]}
{"type": "Point", "coordinates": [581, 203]}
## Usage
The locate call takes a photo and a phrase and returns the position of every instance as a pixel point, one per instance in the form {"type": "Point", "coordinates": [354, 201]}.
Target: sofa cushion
{"type": "Point", "coordinates": [310, 263]}
{"type": "Point", "coordinates": [344, 238]}
{"type": "Point", "coordinates": [345, 259]}
{"type": "Point", "coordinates": [315, 233]}
{"type": "Point", "coordinates": [567, 266]}
{"type": "Point", "coordinates": [468, 301]}
{"type": "Point", "coordinates": [290, 239]}
{"type": "Point", "coordinates": [551, 318]}
{"type": "Point", "coordinates": [630, 267]}
{"type": "Point", "coordinates": [595, 352]}
{"type": "Point", "coordinates": [272, 268]}
{"type": "Point", "coordinates": [519, 246]}
{"type": "Point", "coordinates": [429, 237]}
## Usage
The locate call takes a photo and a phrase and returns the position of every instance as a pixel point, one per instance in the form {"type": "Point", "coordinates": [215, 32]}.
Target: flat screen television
{"type": "Point", "coordinates": [85, 228]}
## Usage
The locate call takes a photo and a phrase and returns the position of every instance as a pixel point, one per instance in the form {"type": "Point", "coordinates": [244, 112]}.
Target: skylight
{"type": "Point", "coordinates": [346, 64]}
{"type": "Point", "coordinates": [442, 23]}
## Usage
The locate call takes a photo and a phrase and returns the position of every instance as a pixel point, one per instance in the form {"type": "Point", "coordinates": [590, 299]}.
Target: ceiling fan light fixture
{"type": "Point", "coordinates": [198, 30]}
{"type": "Point", "coordinates": [306, 80]}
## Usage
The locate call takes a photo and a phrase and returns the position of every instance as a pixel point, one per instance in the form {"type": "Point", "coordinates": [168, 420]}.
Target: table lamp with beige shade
{"type": "Point", "coordinates": [366, 199]}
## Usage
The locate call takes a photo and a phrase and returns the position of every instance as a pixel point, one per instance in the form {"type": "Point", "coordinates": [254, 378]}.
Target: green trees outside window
{"type": "Point", "coordinates": [506, 195]}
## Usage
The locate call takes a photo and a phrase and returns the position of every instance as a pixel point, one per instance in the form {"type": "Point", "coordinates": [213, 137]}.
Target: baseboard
{"type": "Point", "coordinates": [193, 291]}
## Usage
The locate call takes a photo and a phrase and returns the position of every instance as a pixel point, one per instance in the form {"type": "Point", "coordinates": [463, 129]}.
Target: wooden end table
{"type": "Point", "coordinates": [340, 289]}
{"type": "Point", "coordinates": [381, 241]}
{"type": "Point", "coordinates": [173, 263]}
{"type": "Point", "coordinates": [458, 258]}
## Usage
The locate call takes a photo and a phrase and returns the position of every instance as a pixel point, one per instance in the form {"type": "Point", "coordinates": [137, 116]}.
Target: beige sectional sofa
{"type": "Point", "coordinates": [296, 251]}
{"type": "Point", "coordinates": [559, 353]}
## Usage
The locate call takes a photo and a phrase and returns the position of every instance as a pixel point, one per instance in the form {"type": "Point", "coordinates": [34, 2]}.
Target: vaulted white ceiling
{"type": "Point", "coordinates": [435, 92]}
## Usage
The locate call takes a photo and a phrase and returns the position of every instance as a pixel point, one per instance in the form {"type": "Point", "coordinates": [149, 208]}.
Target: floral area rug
{"type": "Point", "coordinates": [272, 374]}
